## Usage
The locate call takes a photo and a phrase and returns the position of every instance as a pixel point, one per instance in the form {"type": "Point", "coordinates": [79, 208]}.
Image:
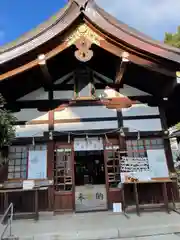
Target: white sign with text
{"type": "Point", "coordinates": [37, 164]}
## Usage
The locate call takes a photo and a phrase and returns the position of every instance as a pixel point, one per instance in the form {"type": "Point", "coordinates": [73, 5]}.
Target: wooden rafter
{"type": "Point", "coordinates": [120, 72]}
{"type": "Point", "coordinates": [47, 76]}
{"type": "Point", "coordinates": [137, 59]}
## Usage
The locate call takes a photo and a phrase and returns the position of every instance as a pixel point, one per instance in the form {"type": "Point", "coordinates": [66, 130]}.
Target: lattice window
{"type": "Point", "coordinates": [18, 157]}
{"type": "Point", "coordinates": [137, 148]}
{"type": "Point", "coordinates": [18, 160]}
{"type": "Point", "coordinates": [113, 167]}
{"type": "Point", "coordinates": [63, 169]}
{"type": "Point", "coordinates": [156, 143]}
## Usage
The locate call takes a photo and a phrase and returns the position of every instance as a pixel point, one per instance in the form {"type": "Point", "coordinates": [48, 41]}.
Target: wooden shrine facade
{"type": "Point", "coordinates": [84, 75]}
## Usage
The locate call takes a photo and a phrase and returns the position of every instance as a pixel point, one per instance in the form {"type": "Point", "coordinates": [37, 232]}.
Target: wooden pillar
{"type": "Point", "coordinates": [136, 198]}
{"type": "Point", "coordinates": [50, 159]}
{"type": "Point", "coordinates": [6, 203]}
{"type": "Point", "coordinates": [50, 153]}
{"type": "Point", "coordinates": [167, 147]}
{"type": "Point", "coordinates": [164, 185]}
{"type": "Point", "coordinates": [36, 204]}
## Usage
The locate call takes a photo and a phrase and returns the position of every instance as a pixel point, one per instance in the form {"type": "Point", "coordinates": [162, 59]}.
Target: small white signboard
{"type": "Point", "coordinates": [28, 184]}
{"type": "Point", "coordinates": [117, 207]}
{"type": "Point", "coordinates": [89, 144]}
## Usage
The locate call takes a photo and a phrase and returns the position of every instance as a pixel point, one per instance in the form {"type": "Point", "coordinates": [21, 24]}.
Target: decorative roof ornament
{"type": "Point", "coordinates": [84, 53]}
{"type": "Point", "coordinates": [83, 37]}
{"type": "Point", "coordinates": [83, 31]}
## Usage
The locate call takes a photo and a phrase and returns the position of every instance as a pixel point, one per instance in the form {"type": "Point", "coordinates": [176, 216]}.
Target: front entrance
{"type": "Point", "coordinates": [90, 187]}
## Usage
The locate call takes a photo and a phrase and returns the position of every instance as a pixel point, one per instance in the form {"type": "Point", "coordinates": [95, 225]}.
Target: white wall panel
{"type": "Point", "coordinates": [140, 110]}
{"type": "Point", "coordinates": [35, 130]}
{"type": "Point", "coordinates": [78, 126]}
{"type": "Point", "coordinates": [63, 94]}
{"type": "Point", "coordinates": [38, 94]}
{"type": "Point", "coordinates": [143, 125]}
{"type": "Point", "coordinates": [30, 114]}
{"type": "Point", "coordinates": [107, 93]}
{"type": "Point", "coordinates": [126, 91]}
{"type": "Point", "coordinates": [85, 112]}
{"type": "Point", "coordinates": [131, 91]}
{"type": "Point", "coordinates": [85, 91]}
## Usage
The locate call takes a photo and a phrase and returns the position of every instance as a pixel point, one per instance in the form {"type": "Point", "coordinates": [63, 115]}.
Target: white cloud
{"type": "Point", "coordinates": [153, 17]}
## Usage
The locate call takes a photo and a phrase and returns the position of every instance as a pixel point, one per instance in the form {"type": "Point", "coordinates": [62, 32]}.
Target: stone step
{"type": "Point", "coordinates": [105, 234]}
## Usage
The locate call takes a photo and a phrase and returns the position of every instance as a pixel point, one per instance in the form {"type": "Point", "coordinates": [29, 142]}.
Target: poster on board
{"type": "Point", "coordinates": [136, 168]}
{"type": "Point", "coordinates": [37, 164]}
{"type": "Point", "coordinates": [157, 163]}
{"type": "Point", "coordinates": [148, 168]}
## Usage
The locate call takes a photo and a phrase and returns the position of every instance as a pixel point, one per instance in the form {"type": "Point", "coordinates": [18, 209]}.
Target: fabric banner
{"type": "Point", "coordinates": [37, 164]}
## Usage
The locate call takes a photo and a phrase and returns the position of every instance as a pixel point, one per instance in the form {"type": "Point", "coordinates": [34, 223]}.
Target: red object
{"type": "Point", "coordinates": [117, 103]}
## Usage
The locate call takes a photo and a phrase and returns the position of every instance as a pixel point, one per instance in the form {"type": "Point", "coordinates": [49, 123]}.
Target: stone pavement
{"type": "Point", "coordinates": [159, 237]}
{"type": "Point", "coordinates": [100, 225]}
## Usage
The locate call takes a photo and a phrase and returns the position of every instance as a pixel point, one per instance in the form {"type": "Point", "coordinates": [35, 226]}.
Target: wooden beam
{"type": "Point", "coordinates": [60, 87]}
{"type": "Point", "coordinates": [63, 85]}
{"type": "Point", "coordinates": [137, 59]}
{"type": "Point", "coordinates": [103, 85]}
{"type": "Point", "coordinates": [103, 81]}
{"type": "Point", "coordinates": [33, 63]}
{"type": "Point", "coordinates": [121, 68]}
{"type": "Point", "coordinates": [46, 105]}
{"type": "Point", "coordinates": [38, 104]}
{"type": "Point", "coordinates": [120, 72]}
{"type": "Point", "coordinates": [169, 87]}
{"type": "Point", "coordinates": [47, 83]}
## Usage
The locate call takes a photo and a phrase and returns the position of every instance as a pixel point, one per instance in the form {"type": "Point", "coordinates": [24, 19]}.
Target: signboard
{"type": "Point", "coordinates": [28, 184]}
{"type": "Point", "coordinates": [88, 144]}
{"type": "Point", "coordinates": [148, 168]}
{"type": "Point", "coordinates": [157, 163]}
{"type": "Point", "coordinates": [90, 197]}
{"type": "Point", "coordinates": [37, 164]}
{"type": "Point", "coordinates": [117, 207]}
{"type": "Point", "coordinates": [112, 147]}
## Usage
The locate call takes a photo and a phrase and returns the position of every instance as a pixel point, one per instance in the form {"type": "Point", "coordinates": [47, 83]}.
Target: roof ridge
{"type": "Point", "coordinates": [134, 32]}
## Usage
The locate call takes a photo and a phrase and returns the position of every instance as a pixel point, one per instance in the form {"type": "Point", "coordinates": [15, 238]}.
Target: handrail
{"type": "Point", "coordinates": [9, 221]}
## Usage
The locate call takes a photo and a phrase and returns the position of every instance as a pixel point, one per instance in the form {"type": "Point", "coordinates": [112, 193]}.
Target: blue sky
{"type": "Point", "coordinates": [153, 17]}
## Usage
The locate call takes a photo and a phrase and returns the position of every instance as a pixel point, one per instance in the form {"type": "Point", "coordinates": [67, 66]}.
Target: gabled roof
{"type": "Point", "coordinates": [107, 24]}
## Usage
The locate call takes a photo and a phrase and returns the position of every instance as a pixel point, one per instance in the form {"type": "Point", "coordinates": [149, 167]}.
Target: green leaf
{"type": "Point", "coordinates": [7, 125]}
{"type": "Point", "coordinates": [173, 39]}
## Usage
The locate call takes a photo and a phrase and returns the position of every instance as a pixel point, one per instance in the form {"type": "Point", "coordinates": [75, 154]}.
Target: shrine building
{"type": "Point", "coordinates": [94, 99]}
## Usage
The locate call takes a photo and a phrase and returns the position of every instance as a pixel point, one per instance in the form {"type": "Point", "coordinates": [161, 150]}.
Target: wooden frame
{"type": "Point", "coordinates": [113, 194]}
{"type": "Point", "coordinates": [65, 196]}
{"type": "Point", "coordinates": [152, 206]}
